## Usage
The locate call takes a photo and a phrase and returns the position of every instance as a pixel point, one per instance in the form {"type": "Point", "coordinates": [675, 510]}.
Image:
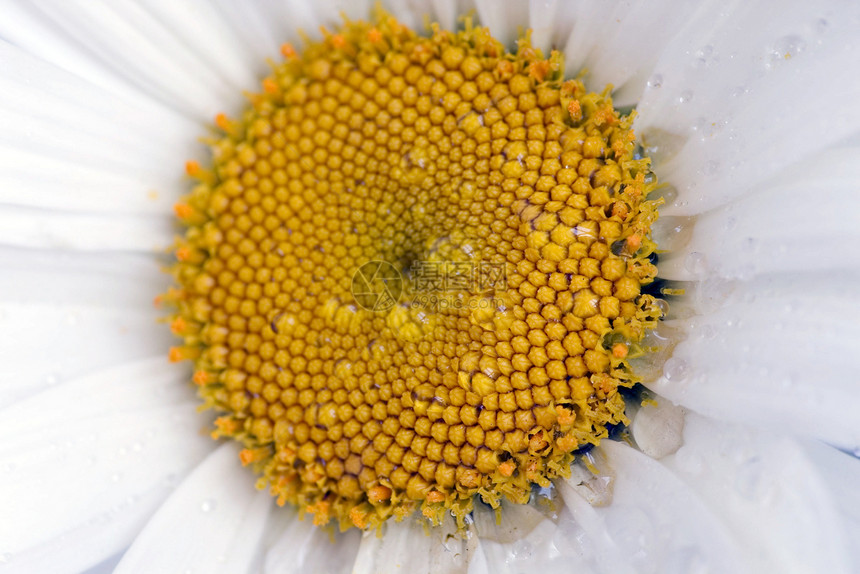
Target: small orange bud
{"type": "Point", "coordinates": [288, 51]}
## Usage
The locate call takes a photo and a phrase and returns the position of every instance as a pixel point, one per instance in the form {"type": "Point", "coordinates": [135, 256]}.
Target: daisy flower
{"type": "Point", "coordinates": [744, 459]}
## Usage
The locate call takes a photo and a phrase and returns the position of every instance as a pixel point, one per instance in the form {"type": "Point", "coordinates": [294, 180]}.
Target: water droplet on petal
{"type": "Point", "coordinates": [696, 263]}
{"type": "Point", "coordinates": [705, 57]}
{"type": "Point", "coordinates": [655, 81]}
{"type": "Point", "coordinates": [783, 50]}
{"type": "Point", "coordinates": [208, 505]}
{"type": "Point", "coordinates": [675, 369]}
{"type": "Point", "coordinates": [522, 550]}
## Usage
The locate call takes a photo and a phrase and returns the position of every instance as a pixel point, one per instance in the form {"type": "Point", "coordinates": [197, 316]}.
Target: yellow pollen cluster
{"type": "Point", "coordinates": [443, 159]}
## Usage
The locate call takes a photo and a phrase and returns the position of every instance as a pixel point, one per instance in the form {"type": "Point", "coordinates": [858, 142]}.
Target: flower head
{"type": "Point", "coordinates": [738, 464]}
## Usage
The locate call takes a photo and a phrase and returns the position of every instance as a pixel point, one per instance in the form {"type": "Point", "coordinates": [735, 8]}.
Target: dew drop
{"type": "Point", "coordinates": [696, 263]}
{"type": "Point", "coordinates": [522, 550]}
{"type": "Point", "coordinates": [705, 57]}
{"type": "Point", "coordinates": [51, 379]}
{"type": "Point", "coordinates": [783, 50]}
{"type": "Point", "coordinates": [675, 369]}
{"type": "Point", "coordinates": [655, 81]}
{"type": "Point", "coordinates": [208, 505]}
{"type": "Point", "coordinates": [115, 477]}
{"type": "Point", "coordinates": [685, 96]}
{"type": "Point", "coordinates": [739, 91]}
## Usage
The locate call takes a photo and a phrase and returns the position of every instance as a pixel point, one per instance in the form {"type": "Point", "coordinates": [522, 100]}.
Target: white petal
{"type": "Point", "coordinates": [655, 523]}
{"type": "Point", "coordinates": [777, 350]}
{"type": "Point", "coordinates": [658, 429]}
{"type": "Point", "coordinates": [772, 493]}
{"type": "Point", "coordinates": [49, 229]}
{"type": "Point", "coordinates": [525, 539]}
{"type": "Point", "coordinates": [803, 221]}
{"type": "Point", "coordinates": [746, 91]}
{"type": "Point", "coordinates": [68, 144]}
{"type": "Point", "coordinates": [86, 463]}
{"type": "Point", "coordinates": [542, 21]}
{"type": "Point", "coordinates": [841, 472]}
{"type": "Point", "coordinates": [212, 523]}
{"type": "Point", "coordinates": [213, 39]}
{"type": "Point", "coordinates": [136, 47]}
{"type": "Point", "coordinates": [63, 316]}
{"type": "Point", "coordinates": [617, 42]}
{"type": "Point", "coordinates": [302, 547]}
{"type": "Point", "coordinates": [504, 23]}
{"type": "Point", "coordinates": [410, 546]}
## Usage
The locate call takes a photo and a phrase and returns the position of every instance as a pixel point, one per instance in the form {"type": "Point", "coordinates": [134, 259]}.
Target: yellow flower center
{"type": "Point", "coordinates": [412, 273]}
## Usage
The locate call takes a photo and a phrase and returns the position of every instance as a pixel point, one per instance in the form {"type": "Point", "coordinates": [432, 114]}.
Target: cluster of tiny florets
{"type": "Point", "coordinates": [376, 144]}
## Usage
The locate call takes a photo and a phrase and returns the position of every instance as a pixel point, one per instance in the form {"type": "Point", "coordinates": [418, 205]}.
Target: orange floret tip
{"type": "Point", "coordinates": [379, 493]}
{"type": "Point", "coordinates": [183, 353]}
{"type": "Point", "coordinates": [223, 122]}
{"type": "Point", "coordinates": [619, 350]}
{"type": "Point", "coordinates": [183, 254]}
{"type": "Point", "coordinates": [251, 455]}
{"type": "Point", "coordinates": [288, 51]}
{"type": "Point", "coordinates": [574, 108]}
{"type": "Point", "coordinates": [192, 168]}
{"type": "Point", "coordinates": [504, 69]}
{"type": "Point", "coordinates": [565, 416]}
{"type": "Point", "coordinates": [374, 36]}
{"type": "Point", "coordinates": [338, 41]}
{"type": "Point", "coordinates": [539, 70]}
{"type": "Point", "coordinates": [203, 378]}
{"type": "Point", "coordinates": [183, 210]}
{"type": "Point", "coordinates": [358, 517]}
{"type": "Point", "coordinates": [225, 426]}
{"type": "Point", "coordinates": [634, 242]}
{"type": "Point", "coordinates": [187, 254]}
{"type": "Point", "coordinates": [507, 468]}
{"type": "Point", "coordinates": [172, 297]}
{"type": "Point", "coordinates": [320, 510]}
{"type": "Point", "coordinates": [567, 443]}
{"type": "Point", "coordinates": [270, 86]}
{"type": "Point", "coordinates": [435, 496]}
{"type": "Point", "coordinates": [178, 326]}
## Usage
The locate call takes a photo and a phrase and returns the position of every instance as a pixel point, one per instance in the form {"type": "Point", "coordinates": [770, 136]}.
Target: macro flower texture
{"type": "Point", "coordinates": [193, 378]}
